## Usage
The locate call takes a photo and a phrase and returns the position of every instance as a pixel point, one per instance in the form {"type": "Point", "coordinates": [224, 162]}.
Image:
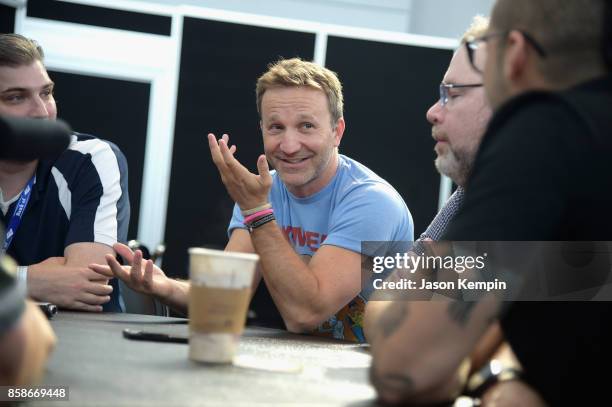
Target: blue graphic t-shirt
{"type": "Point", "coordinates": [357, 205]}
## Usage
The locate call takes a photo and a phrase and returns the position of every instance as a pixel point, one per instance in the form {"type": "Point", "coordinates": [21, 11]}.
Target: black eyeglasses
{"type": "Point", "coordinates": [472, 45]}
{"type": "Point", "coordinates": [446, 87]}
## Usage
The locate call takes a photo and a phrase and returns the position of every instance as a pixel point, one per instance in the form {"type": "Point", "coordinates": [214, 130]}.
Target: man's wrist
{"type": "Point", "coordinates": [172, 295]}
{"type": "Point", "coordinates": [260, 222]}
{"type": "Point", "coordinates": [176, 296]}
{"type": "Point", "coordinates": [258, 216]}
{"type": "Point", "coordinates": [492, 373]}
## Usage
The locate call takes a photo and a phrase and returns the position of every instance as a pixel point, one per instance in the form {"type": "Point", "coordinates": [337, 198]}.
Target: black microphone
{"type": "Point", "coordinates": [24, 139]}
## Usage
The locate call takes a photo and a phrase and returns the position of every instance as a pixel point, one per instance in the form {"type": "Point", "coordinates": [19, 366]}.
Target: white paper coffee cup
{"type": "Point", "coordinates": [218, 302]}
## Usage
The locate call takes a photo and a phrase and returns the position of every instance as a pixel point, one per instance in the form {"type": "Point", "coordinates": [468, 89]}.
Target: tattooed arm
{"type": "Point", "coordinates": [420, 349]}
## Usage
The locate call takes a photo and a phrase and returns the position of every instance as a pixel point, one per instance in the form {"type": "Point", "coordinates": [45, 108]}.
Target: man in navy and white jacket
{"type": "Point", "coordinates": [63, 213]}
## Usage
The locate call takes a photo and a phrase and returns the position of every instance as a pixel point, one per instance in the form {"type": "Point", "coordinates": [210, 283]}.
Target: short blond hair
{"type": "Point", "coordinates": [296, 72]}
{"type": "Point", "coordinates": [478, 28]}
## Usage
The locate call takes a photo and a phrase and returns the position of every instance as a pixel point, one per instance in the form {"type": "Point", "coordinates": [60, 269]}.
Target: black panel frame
{"type": "Point", "coordinates": [220, 64]}
{"type": "Point", "coordinates": [100, 16]}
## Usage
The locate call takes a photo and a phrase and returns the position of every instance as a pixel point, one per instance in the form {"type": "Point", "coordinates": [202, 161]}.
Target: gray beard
{"type": "Point", "coordinates": [456, 165]}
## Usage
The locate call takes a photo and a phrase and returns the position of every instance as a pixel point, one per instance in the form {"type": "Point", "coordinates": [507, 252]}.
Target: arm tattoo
{"type": "Point", "coordinates": [460, 311]}
{"type": "Point", "coordinates": [392, 318]}
{"type": "Point", "coordinates": [392, 382]}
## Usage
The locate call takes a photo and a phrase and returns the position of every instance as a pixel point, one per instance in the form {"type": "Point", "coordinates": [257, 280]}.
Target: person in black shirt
{"type": "Point", "coordinates": [543, 173]}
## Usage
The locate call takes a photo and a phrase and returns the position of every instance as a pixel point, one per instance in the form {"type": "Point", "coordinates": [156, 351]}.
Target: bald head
{"type": "Point", "coordinates": [570, 32]}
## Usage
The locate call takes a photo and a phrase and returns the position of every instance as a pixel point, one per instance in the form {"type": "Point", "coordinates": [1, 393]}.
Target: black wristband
{"type": "Point", "coordinates": [260, 222]}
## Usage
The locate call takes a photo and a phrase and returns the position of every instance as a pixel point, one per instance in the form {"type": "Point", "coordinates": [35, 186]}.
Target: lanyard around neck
{"type": "Point", "coordinates": [18, 212]}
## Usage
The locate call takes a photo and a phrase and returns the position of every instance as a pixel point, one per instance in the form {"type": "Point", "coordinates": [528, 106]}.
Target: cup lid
{"type": "Point", "coordinates": [223, 253]}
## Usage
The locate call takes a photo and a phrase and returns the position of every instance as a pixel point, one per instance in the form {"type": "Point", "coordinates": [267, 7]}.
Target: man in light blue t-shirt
{"type": "Point", "coordinates": [307, 219]}
{"type": "Point", "coordinates": [323, 204]}
{"type": "Point", "coordinates": [356, 205]}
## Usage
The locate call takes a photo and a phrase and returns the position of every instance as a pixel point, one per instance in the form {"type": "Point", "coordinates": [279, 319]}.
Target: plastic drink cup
{"type": "Point", "coordinates": [218, 302]}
